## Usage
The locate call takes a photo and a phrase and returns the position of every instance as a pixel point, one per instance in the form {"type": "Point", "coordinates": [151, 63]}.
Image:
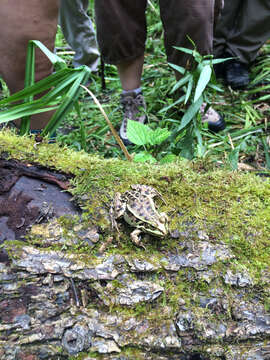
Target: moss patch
{"type": "Point", "coordinates": [228, 207]}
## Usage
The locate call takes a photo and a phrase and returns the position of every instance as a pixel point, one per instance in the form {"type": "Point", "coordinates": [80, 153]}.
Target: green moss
{"type": "Point", "coordinates": [231, 207]}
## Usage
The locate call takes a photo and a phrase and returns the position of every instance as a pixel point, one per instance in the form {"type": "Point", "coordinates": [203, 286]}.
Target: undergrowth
{"type": "Point", "coordinates": [244, 143]}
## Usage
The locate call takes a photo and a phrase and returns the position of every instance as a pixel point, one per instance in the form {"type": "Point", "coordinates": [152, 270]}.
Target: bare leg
{"type": "Point", "coordinates": [130, 73]}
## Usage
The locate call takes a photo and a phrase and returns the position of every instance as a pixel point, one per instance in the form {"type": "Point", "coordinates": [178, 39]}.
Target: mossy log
{"type": "Point", "coordinates": [200, 293]}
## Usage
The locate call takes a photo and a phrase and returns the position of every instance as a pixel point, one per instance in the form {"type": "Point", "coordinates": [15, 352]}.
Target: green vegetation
{"type": "Point", "coordinates": [177, 128]}
{"type": "Point", "coordinates": [201, 193]}
{"type": "Point", "coordinates": [231, 207]}
{"type": "Point", "coordinates": [245, 141]}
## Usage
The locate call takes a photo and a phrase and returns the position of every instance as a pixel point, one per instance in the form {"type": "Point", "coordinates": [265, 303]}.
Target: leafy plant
{"type": "Point", "coordinates": [193, 84]}
{"type": "Point", "coordinates": [62, 90]}
{"type": "Point", "coordinates": [143, 135]}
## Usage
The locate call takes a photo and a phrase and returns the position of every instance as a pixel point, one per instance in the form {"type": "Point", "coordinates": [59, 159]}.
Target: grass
{"type": "Point", "coordinates": [245, 143]}
{"type": "Point", "coordinates": [245, 139]}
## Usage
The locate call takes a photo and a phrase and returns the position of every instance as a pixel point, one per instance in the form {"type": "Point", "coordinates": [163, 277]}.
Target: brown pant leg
{"type": "Point", "coordinates": [187, 17]}
{"type": "Point", "coordinates": [121, 29]}
{"type": "Point", "coordinates": [21, 21]}
{"type": "Point", "coordinates": [219, 5]}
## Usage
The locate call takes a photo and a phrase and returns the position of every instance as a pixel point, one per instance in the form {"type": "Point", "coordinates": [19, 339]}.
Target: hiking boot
{"type": "Point", "coordinates": [134, 109]}
{"type": "Point", "coordinates": [236, 74]}
{"type": "Point", "coordinates": [215, 121]}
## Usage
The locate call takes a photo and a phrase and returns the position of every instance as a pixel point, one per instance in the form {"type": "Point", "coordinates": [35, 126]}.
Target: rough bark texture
{"type": "Point", "coordinates": [54, 305]}
{"type": "Point", "coordinates": [192, 299]}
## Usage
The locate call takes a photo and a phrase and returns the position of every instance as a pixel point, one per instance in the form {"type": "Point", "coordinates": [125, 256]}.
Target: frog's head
{"type": "Point", "coordinates": [163, 226]}
{"type": "Point", "coordinates": [158, 227]}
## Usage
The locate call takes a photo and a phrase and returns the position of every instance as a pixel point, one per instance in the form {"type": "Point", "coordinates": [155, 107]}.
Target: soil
{"type": "Point", "coordinates": [30, 194]}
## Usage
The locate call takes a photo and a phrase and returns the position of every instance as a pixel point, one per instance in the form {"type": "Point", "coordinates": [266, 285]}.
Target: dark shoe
{"type": "Point", "coordinates": [236, 74]}
{"type": "Point", "coordinates": [134, 109]}
{"type": "Point", "coordinates": [215, 121]}
{"type": "Point", "coordinates": [219, 70]}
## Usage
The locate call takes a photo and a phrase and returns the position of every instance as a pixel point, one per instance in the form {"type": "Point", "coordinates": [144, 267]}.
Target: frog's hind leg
{"type": "Point", "coordinates": [135, 238]}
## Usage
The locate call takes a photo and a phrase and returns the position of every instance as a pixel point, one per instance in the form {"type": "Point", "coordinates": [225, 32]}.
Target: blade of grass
{"type": "Point", "coordinates": [117, 137]}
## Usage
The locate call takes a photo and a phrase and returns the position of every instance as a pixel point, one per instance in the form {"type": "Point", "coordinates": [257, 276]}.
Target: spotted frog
{"type": "Point", "coordinates": [138, 209]}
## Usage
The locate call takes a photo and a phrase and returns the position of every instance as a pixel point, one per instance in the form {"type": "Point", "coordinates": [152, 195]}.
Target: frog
{"type": "Point", "coordinates": [137, 208]}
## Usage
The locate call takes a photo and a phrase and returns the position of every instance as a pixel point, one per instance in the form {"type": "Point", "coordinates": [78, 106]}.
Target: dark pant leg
{"type": "Point", "coordinates": [226, 25]}
{"type": "Point", "coordinates": [252, 30]}
{"type": "Point", "coordinates": [183, 18]}
{"type": "Point", "coordinates": [121, 29]}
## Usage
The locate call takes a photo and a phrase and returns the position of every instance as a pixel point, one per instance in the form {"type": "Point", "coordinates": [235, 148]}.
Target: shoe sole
{"type": "Point", "coordinates": [217, 125]}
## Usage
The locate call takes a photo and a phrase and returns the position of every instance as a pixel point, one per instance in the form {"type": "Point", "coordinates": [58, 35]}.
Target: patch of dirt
{"type": "Point", "coordinates": [30, 194]}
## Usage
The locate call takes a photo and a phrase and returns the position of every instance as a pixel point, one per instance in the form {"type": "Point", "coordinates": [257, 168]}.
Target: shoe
{"type": "Point", "coordinates": [134, 108]}
{"type": "Point", "coordinates": [219, 70]}
{"type": "Point", "coordinates": [215, 121]}
{"type": "Point", "coordinates": [236, 74]}
{"type": "Point", "coordinates": [39, 138]}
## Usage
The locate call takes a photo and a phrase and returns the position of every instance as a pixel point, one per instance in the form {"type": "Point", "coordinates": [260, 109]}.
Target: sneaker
{"type": "Point", "coordinates": [215, 121]}
{"type": "Point", "coordinates": [134, 109]}
{"type": "Point", "coordinates": [236, 74]}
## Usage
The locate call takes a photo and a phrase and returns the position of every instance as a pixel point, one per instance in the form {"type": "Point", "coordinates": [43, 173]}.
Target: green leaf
{"type": "Point", "coordinates": [233, 158]}
{"type": "Point", "coordinates": [204, 79]}
{"type": "Point", "coordinates": [139, 134]}
{"type": "Point", "coordinates": [185, 50]}
{"type": "Point", "coordinates": [144, 156]}
{"type": "Point", "coordinates": [187, 144]}
{"type": "Point", "coordinates": [177, 68]}
{"type": "Point", "coordinates": [215, 87]}
{"type": "Point", "coordinates": [267, 153]}
{"type": "Point", "coordinates": [39, 87]}
{"type": "Point", "coordinates": [181, 82]}
{"type": "Point", "coordinates": [217, 61]}
{"type": "Point", "coordinates": [158, 136]}
{"type": "Point", "coordinates": [189, 89]}
{"type": "Point", "coordinates": [54, 59]}
{"type": "Point", "coordinates": [173, 104]}
{"type": "Point", "coordinates": [169, 158]}
{"type": "Point", "coordinates": [190, 113]}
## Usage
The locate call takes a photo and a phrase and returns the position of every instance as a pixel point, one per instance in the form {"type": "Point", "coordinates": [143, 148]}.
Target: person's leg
{"type": "Point", "coordinates": [79, 32]}
{"type": "Point", "coordinates": [130, 73]}
{"type": "Point", "coordinates": [183, 19]}
{"type": "Point", "coordinates": [225, 25]}
{"type": "Point", "coordinates": [125, 24]}
{"type": "Point", "coordinates": [18, 25]}
{"type": "Point", "coordinates": [123, 44]}
{"type": "Point", "coordinates": [247, 30]}
{"type": "Point", "coordinates": [190, 18]}
{"type": "Point", "coordinates": [252, 30]}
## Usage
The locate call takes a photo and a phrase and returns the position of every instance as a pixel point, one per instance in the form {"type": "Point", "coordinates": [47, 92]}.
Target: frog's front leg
{"type": "Point", "coordinates": [136, 239]}
{"type": "Point", "coordinates": [117, 209]}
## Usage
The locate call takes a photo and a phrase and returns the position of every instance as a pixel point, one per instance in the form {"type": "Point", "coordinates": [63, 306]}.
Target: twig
{"type": "Point", "coordinates": [117, 137]}
{"type": "Point", "coordinates": [231, 142]}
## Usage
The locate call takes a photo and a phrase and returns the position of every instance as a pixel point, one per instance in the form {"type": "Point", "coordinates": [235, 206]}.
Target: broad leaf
{"type": "Point", "coordinates": [181, 82]}
{"type": "Point", "coordinates": [158, 136]}
{"type": "Point", "coordinates": [144, 157]}
{"type": "Point", "coordinates": [189, 89]}
{"type": "Point", "coordinates": [190, 113]}
{"type": "Point", "coordinates": [233, 158]}
{"type": "Point", "coordinates": [173, 104]}
{"type": "Point", "coordinates": [178, 68]}
{"type": "Point", "coordinates": [204, 79]}
{"type": "Point", "coordinates": [185, 50]}
{"type": "Point", "coordinates": [169, 158]}
{"type": "Point", "coordinates": [137, 133]}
